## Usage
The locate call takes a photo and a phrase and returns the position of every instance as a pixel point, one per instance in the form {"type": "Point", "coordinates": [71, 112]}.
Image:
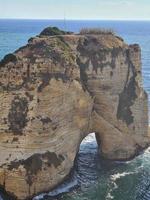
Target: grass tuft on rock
{"type": "Point", "coordinates": [96, 31]}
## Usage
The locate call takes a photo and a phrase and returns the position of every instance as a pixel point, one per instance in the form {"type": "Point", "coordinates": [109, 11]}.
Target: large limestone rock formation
{"type": "Point", "coordinates": [56, 90]}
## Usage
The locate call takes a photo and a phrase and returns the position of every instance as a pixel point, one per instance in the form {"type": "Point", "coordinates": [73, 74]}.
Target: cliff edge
{"type": "Point", "coordinates": [56, 90]}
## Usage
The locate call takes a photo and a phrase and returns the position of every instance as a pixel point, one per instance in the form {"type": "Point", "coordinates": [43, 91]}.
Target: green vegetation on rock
{"type": "Point", "coordinates": [51, 31]}
{"type": "Point", "coordinates": [8, 58]}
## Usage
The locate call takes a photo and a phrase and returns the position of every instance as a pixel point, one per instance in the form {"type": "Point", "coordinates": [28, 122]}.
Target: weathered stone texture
{"type": "Point", "coordinates": [56, 90]}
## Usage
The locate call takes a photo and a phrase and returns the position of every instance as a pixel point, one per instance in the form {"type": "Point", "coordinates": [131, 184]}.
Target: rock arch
{"type": "Point", "coordinates": [57, 89]}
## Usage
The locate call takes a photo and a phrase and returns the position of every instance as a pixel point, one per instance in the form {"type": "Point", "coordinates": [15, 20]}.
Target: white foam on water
{"type": "Point", "coordinates": [147, 151]}
{"type": "Point", "coordinates": [60, 190]}
{"type": "Point", "coordinates": [116, 176]}
{"type": "Point", "coordinates": [89, 138]}
{"type": "Point", "coordinates": [63, 188]}
{"type": "Point", "coordinates": [109, 196]}
{"type": "Point", "coordinates": [113, 183]}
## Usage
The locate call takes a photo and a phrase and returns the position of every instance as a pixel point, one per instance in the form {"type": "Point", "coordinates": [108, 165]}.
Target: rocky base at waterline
{"type": "Point", "coordinates": [57, 89]}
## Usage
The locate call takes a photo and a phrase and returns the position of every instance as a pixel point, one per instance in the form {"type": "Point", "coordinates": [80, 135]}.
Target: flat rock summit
{"type": "Point", "coordinates": [56, 90]}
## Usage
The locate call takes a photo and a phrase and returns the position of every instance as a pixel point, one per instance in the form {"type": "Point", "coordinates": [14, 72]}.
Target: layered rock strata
{"type": "Point", "coordinates": [56, 90]}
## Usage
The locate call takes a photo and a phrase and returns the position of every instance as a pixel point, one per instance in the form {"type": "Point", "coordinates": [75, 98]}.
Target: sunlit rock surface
{"type": "Point", "coordinates": [56, 90]}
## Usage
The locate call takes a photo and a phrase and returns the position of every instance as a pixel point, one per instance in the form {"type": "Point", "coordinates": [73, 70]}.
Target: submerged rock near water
{"type": "Point", "coordinates": [55, 91]}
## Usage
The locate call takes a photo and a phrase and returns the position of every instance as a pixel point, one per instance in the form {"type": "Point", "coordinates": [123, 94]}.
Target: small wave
{"type": "Point", "coordinates": [114, 177]}
{"type": "Point", "coordinates": [147, 150]}
{"type": "Point", "coordinates": [64, 188]}
{"type": "Point", "coordinates": [109, 196]}
{"type": "Point", "coordinates": [113, 185]}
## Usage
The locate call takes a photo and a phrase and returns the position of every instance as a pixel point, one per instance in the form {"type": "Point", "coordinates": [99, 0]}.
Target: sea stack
{"type": "Point", "coordinates": [55, 91]}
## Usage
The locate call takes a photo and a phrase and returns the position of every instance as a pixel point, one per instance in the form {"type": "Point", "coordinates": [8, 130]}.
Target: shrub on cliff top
{"type": "Point", "coordinates": [96, 31]}
{"type": "Point", "coordinates": [51, 31]}
{"type": "Point", "coordinates": [8, 58]}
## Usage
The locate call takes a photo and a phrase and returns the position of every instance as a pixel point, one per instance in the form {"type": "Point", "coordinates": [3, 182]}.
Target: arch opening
{"type": "Point", "coordinates": [84, 172]}
{"type": "Point", "coordinates": [87, 161]}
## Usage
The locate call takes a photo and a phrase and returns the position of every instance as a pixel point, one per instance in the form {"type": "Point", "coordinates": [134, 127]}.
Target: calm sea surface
{"type": "Point", "coordinates": [93, 179]}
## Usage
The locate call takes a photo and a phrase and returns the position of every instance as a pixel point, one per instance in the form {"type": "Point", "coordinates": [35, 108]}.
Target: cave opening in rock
{"type": "Point", "coordinates": [83, 175]}
{"type": "Point", "coordinates": [87, 160]}
{"type": "Point", "coordinates": [85, 171]}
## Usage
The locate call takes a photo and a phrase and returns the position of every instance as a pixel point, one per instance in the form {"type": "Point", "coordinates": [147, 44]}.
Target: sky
{"type": "Point", "coordinates": [76, 9]}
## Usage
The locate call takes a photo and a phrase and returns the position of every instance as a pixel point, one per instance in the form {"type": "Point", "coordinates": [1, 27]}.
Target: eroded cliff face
{"type": "Point", "coordinates": [56, 90]}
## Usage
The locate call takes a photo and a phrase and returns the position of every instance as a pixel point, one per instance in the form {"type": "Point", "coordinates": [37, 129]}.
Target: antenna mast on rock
{"type": "Point", "coordinates": [65, 23]}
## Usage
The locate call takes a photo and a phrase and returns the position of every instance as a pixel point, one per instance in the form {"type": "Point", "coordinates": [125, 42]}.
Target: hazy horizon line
{"type": "Point", "coordinates": [75, 19]}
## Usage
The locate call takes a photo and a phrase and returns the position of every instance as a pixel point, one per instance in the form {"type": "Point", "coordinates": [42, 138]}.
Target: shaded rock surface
{"type": "Point", "coordinates": [56, 90]}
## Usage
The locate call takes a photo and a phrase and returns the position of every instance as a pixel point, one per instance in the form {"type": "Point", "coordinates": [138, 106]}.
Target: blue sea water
{"type": "Point", "coordinates": [96, 180]}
